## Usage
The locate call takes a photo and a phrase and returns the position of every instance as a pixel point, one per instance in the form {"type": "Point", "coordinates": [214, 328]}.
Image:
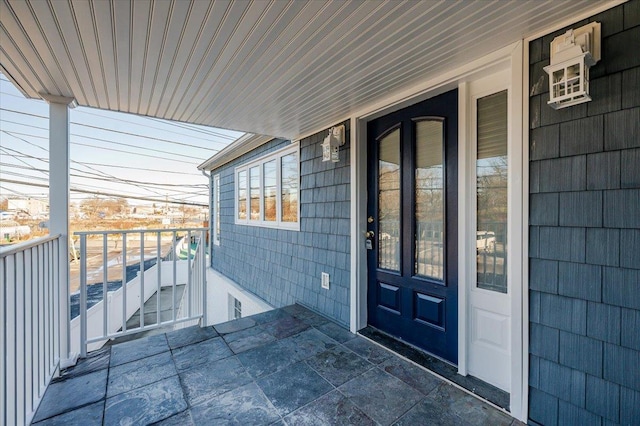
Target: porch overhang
{"type": "Point", "coordinates": [234, 150]}
{"type": "Point", "coordinates": [279, 68]}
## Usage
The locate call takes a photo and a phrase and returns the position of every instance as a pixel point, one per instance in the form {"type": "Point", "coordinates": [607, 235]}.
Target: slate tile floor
{"type": "Point", "coordinates": [289, 366]}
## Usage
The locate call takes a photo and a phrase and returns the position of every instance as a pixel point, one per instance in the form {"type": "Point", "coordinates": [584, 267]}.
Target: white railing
{"type": "Point", "coordinates": [194, 302]}
{"type": "Point", "coordinates": [108, 317]}
{"type": "Point", "coordinates": [30, 323]}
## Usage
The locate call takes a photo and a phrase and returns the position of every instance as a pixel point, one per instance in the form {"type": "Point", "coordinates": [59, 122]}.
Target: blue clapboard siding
{"type": "Point", "coordinates": [584, 236]}
{"type": "Point", "coordinates": [282, 266]}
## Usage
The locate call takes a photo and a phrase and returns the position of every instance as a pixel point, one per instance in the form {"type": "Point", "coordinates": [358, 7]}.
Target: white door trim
{"type": "Point", "coordinates": [510, 56]}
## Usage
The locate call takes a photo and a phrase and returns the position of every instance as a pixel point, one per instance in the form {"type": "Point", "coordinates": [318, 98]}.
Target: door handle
{"type": "Point", "coordinates": [370, 234]}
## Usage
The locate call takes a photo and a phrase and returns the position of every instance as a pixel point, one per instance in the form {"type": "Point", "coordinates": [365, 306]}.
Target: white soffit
{"type": "Point", "coordinates": [280, 68]}
{"type": "Point", "coordinates": [240, 146]}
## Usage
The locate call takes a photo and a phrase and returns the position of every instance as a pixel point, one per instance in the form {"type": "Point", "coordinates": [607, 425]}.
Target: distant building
{"type": "Point", "coordinates": [31, 206]}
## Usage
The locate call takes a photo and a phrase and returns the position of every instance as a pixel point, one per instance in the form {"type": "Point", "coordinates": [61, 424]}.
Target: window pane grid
{"type": "Point", "coordinates": [289, 187]}
{"type": "Point", "coordinates": [429, 209]}
{"type": "Point", "coordinates": [389, 201]}
{"type": "Point", "coordinates": [242, 195]}
{"type": "Point", "coordinates": [268, 190]}
{"type": "Point", "coordinates": [254, 179]}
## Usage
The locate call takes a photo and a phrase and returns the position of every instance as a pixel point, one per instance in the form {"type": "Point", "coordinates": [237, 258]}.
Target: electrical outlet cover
{"type": "Point", "coordinates": [325, 281]}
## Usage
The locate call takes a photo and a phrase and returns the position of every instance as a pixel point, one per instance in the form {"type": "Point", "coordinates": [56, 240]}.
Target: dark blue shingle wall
{"type": "Point", "coordinates": [282, 266]}
{"type": "Point", "coordinates": [585, 236]}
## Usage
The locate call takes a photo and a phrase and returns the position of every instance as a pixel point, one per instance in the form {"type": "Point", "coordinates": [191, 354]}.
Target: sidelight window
{"type": "Point", "coordinates": [491, 190]}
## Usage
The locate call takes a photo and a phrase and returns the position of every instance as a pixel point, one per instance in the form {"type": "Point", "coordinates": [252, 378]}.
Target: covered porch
{"type": "Point", "coordinates": [274, 69]}
{"type": "Point", "coordinates": [285, 366]}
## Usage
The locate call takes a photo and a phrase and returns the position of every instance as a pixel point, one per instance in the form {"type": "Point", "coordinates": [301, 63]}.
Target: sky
{"type": "Point", "coordinates": [111, 152]}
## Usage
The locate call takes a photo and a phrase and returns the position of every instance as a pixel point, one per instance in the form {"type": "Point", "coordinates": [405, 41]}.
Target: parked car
{"type": "Point", "coordinates": [486, 241]}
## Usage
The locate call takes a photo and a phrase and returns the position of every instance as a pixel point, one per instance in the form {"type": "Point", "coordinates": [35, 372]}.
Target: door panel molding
{"type": "Point", "coordinates": [423, 180]}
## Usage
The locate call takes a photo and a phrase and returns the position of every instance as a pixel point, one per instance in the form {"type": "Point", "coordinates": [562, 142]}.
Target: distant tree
{"type": "Point", "coordinates": [99, 207]}
{"type": "Point", "coordinates": [4, 204]}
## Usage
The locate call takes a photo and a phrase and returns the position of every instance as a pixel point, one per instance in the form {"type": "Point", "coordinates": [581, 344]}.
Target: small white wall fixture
{"type": "Point", "coordinates": [572, 54]}
{"type": "Point", "coordinates": [332, 143]}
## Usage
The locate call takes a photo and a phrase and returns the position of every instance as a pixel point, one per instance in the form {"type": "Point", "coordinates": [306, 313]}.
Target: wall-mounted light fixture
{"type": "Point", "coordinates": [571, 56]}
{"type": "Point", "coordinates": [332, 143]}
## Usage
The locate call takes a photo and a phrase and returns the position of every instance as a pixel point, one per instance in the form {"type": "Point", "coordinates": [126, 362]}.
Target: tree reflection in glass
{"type": "Point", "coordinates": [389, 201]}
{"type": "Point", "coordinates": [491, 187]}
{"type": "Point", "coordinates": [429, 213]}
{"type": "Point", "coordinates": [289, 178]}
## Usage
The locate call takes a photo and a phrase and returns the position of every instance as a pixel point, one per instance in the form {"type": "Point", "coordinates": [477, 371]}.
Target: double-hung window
{"type": "Point", "coordinates": [268, 189]}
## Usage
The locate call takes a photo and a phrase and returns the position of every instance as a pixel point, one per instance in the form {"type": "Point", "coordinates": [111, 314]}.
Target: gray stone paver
{"type": "Point", "coordinates": [132, 375]}
{"type": "Point", "coordinates": [289, 366]}
{"type": "Point", "coordinates": [148, 404]}
{"type": "Point", "coordinates": [200, 353]}
{"type": "Point", "coordinates": [381, 396]}
{"type": "Point", "coordinates": [293, 387]}
{"type": "Point", "coordinates": [138, 349]}
{"type": "Point", "coordinates": [66, 395]}
{"type": "Point", "coordinates": [89, 415]}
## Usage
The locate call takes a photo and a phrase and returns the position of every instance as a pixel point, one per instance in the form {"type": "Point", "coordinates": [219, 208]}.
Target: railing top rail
{"type": "Point", "coordinates": [15, 248]}
{"type": "Point", "coordinates": [137, 231]}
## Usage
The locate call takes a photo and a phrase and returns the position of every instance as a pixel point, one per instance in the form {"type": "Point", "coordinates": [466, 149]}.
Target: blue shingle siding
{"type": "Point", "coordinates": [283, 266]}
{"type": "Point", "coordinates": [584, 236]}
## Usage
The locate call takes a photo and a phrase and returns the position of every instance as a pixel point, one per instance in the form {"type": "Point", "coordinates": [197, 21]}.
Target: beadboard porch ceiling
{"type": "Point", "coordinates": [279, 68]}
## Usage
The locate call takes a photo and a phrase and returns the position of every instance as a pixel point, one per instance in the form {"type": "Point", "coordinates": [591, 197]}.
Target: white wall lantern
{"type": "Point", "coordinates": [332, 143]}
{"type": "Point", "coordinates": [571, 56]}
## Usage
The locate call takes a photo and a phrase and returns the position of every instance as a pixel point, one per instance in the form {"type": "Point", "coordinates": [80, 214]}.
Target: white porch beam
{"type": "Point", "coordinates": [59, 163]}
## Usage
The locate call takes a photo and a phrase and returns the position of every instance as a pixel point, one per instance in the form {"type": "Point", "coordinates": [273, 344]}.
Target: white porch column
{"type": "Point", "coordinates": [59, 164]}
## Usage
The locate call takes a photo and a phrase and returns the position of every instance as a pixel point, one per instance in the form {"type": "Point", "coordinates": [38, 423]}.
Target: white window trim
{"type": "Point", "coordinates": [276, 155]}
{"type": "Point", "coordinates": [216, 209]}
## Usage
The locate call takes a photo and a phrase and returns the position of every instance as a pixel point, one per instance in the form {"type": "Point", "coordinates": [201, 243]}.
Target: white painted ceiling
{"type": "Point", "coordinates": [279, 68]}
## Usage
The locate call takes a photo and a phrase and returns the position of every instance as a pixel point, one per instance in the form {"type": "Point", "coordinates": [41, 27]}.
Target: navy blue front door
{"type": "Point", "coordinates": [412, 224]}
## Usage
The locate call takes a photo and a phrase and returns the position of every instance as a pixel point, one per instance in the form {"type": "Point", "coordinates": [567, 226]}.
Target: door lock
{"type": "Point", "coordinates": [370, 219]}
{"type": "Point", "coordinates": [369, 241]}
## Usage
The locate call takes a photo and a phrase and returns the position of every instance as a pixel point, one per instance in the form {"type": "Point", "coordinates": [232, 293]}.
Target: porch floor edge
{"type": "Point", "coordinates": [441, 369]}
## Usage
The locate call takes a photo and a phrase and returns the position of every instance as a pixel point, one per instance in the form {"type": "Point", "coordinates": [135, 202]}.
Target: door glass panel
{"type": "Point", "coordinates": [389, 201]}
{"type": "Point", "coordinates": [269, 170]}
{"type": "Point", "coordinates": [254, 179]}
{"type": "Point", "coordinates": [491, 172]}
{"type": "Point", "coordinates": [429, 210]}
{"type": "Point", "coordinates": [242, 195]}
{"type": "Point", "coordinates": [289, 176]}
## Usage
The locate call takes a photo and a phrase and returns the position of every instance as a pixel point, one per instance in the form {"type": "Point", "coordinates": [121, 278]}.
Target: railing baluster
{"type": "Point", "coordinates": [58, 303]}
{"type": "Point", "coordinates": [203, 239]}
{"type": "Point", "coordinates": [34, 323]}
{"type": "Point", "coordinates": [141, 279]}
{"type": "Point", "coordinates": [41, 320]}
{"type": "Point", "coordinates": [174, 254]}
{"type": "Point", "coordinates": [11, 345]}
{"type": "Point", "coordinates": [159, 268]}
{"type": "Point", "coordinates": [47, 297]}
{"type": "Point", "coordinates": [124, 281]}
{"type": "Point", "coordinates": [20, 336]}
{"type": "Point", "coordinates": [28, 327]}
{"type": "Point", "coordinates": [189, 273]}
{"type": "Point", "coordinates": [105, 286]}
{"type": "Point", "coordinates": [83, 295]}
{"type": "Point", "coordinates": [3, 340]}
